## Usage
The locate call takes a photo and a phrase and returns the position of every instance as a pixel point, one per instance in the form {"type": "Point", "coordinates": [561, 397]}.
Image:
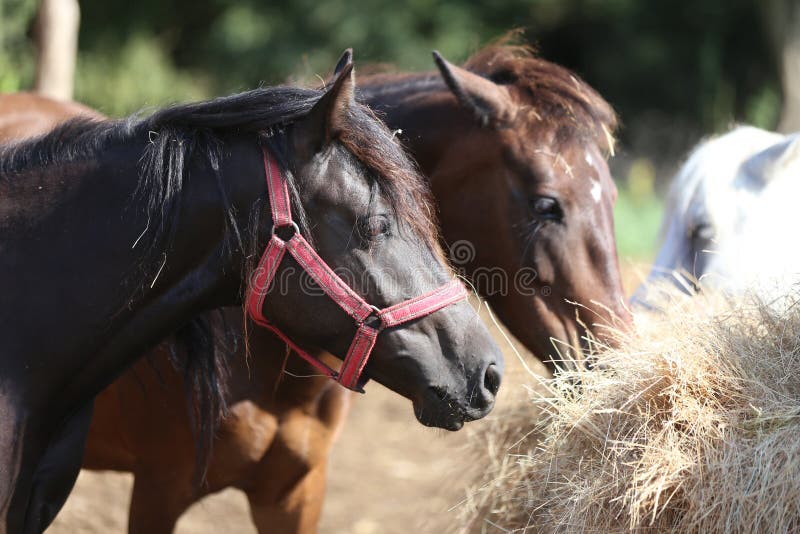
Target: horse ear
{"type": "Point", "coordinates": [327, 118]}
{"type": "Point", "coordinates": [790, 158]}
{"type": "Point", "coordinates": [489, 101]}
{"type": "Point", "coordinates": [780, 159]}
{"type": "Point", "coordinates": [344, 60]}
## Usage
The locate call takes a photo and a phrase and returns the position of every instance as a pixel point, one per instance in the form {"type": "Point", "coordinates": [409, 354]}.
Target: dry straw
{"type": "Point", "coordinates": [692, 426]}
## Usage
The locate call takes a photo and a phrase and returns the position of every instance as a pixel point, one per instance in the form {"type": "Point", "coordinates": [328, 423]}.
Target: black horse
{"type": "Point", "coordinates": [114, 234]}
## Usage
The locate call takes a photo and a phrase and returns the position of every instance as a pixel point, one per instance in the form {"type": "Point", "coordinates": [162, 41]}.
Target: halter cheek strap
{"type": "Point", "coordinates": [369, 319]}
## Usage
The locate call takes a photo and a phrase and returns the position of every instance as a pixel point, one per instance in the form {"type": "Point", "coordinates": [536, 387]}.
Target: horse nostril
{"type": "Point", "coordinates": [491, 380]}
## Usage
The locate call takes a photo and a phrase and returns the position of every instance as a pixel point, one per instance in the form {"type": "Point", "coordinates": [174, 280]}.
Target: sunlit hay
{"type": "Point", "coordinates": [692, 426]}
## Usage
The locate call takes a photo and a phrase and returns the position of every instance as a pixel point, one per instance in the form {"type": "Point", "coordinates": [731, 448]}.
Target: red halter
{"type": "Point", "coordinates": [334, 287]}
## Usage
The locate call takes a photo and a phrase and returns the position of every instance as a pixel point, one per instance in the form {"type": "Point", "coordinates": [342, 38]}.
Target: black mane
{"type": "Point", "coordinates": [174, 134]}
{"type": "Point", "coordinates": [80, 138]}
{"type": "Point", "coordinates": [177, 133]}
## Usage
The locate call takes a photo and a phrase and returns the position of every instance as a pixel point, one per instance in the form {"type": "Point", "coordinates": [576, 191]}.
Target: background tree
{"type": "Point", "coordinates": [689, 66]}
{"type": "Point", "coordinates": [783, 22]}
{"type": "Point", "coordinates": [675, 70]}
{"type": "Point", "coordinates": [56, 34]}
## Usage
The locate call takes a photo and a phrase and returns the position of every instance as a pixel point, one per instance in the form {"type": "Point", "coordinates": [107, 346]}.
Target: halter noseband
{"type": "Point", "coordinates": [336, 288]}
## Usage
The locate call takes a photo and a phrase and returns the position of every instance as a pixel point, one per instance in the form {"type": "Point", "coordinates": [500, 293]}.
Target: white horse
{"type": "Point", "coordinates": [732, 217]}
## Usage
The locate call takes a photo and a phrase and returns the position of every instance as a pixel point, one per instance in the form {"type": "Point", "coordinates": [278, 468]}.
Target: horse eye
{"type": "Point", "coordinates": [374, 227]}
{"type": "Point", "coordinates": [546, 208]}
{"type": "Point", "coordinates": [701, 232]}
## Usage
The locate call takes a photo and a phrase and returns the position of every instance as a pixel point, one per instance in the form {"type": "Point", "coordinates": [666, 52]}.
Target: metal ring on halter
{"type": "Point", "coordinates": [376, 313]}
{"type": "Point", "coordinates": [292, 224]}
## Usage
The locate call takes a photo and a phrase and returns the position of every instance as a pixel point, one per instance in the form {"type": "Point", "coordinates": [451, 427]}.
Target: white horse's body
{"type": "Point", "coordinates": [733, 216]}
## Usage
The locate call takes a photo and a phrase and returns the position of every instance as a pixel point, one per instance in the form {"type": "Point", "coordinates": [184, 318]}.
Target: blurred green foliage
{"type": "Point", "coordinates": [638, 212]}
{"type": "Point", "coordinates": [16, 49]}
{"type": "Point", "coordinates": [705, 61]}
{"type": "Point", "coordinates": [674, 69]}
{"type": "Point", "coordinates": [105, 81]}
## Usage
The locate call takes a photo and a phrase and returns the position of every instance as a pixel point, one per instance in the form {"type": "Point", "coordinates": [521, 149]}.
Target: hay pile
{"type": "Point", "coordinates": [692, 426]}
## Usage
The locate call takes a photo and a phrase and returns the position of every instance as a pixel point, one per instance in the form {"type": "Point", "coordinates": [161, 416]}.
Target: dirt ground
{"type": "Point", "coordinates": [388, 473]}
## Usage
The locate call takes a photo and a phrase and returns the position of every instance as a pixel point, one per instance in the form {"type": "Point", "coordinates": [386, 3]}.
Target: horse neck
{"type": "Point", "coordinates": [424, 109]}
{"type": "Point", "coordinates": [117, 308]}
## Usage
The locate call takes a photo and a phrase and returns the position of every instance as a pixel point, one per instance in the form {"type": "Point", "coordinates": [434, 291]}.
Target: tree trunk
{"type": "Point", "coordinates": [56, 34]}
{"type": "Point", "coordinates": [783, 24]}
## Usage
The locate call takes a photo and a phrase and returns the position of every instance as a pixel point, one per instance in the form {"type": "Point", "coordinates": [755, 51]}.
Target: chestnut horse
{"type": "Point", "coordinates": [515, 149]}
{"type": "Point", "coordinates": [26, 114]}
{"type": "Point", "coordinates": [116, 233]}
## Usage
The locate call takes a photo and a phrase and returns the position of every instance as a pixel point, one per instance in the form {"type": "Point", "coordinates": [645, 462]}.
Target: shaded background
{"type": "Point", "coordinates": [674, 69]}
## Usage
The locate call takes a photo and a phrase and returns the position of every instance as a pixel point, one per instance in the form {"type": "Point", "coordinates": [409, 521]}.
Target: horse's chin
{"type": "Point", "coordinates": [447, 423]}
{"type": "Point", "coordinates": [438, 409]}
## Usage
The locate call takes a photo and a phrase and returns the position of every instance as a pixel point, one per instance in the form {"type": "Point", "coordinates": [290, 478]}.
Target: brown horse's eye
{"type": "Point", "coordinates": [546, 208]}
{"type": "Point", "coordinates": [374, 227]}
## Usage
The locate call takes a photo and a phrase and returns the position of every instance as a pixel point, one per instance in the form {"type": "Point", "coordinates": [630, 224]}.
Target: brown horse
{"type": "Point", "coordinates": [274, 445]}
{"type": "Point", "coordinates": [27, 114]}
{"type": "Point", "coordinates": [514, 147]}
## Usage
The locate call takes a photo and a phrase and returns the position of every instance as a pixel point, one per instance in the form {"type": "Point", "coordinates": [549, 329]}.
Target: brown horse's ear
{"type": "Point", "coordinates": [345, 60]}
{"type": "Point", "coordinates": [327, 118]}
{"type": "Point", "coordinates": [490, 102]}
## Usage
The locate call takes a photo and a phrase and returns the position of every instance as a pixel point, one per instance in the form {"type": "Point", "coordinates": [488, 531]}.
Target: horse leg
{"type": "Point", "coordinates": [296, 511]}
{"type": "Point", "coordinates": [57, 470]}
{"type": "Point", "coordinates": [158, 501]}
{"type": "Point", "coordinates": [287, 490]}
